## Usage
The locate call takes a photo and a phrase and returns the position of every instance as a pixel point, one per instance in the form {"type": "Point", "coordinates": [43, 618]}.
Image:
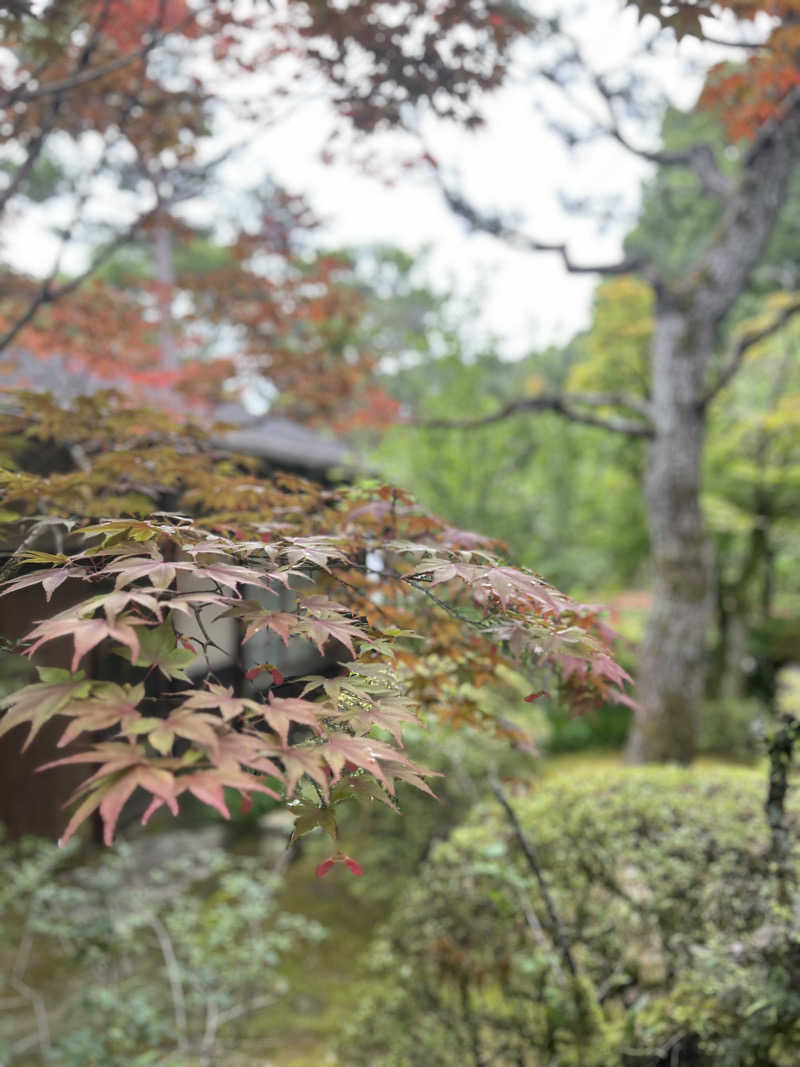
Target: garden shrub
{"type": "Point", "coordinates": [155, 954]}
{"type": "Point", "coordinates": [686, 946]}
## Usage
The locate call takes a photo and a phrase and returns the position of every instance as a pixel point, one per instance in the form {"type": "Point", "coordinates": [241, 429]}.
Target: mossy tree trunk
{"type": "Point", "coordinates": [672, 665]}
{"type": "Point", "coordinates": [689, 314]}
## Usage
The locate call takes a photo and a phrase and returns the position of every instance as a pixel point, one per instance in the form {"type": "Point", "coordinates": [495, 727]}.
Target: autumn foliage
{"type": "Point", "coordinates": [138, 698]}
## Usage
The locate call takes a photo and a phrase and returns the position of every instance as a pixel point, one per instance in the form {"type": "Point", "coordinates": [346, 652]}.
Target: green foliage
{"type": "Point", "coordinates": [660, 881]}
{"type": "Point", "coordinates": [564, 498]}
{"type": "Point", "coordinates": [603, 728]}
{"type": "Point", "coordinates": [151, 954]}
{"type": "Point", "coordinates": [732, 727]}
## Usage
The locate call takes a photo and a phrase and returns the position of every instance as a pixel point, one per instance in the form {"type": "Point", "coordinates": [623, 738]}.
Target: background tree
{"type": "Point", "coordinates": [691, 310]}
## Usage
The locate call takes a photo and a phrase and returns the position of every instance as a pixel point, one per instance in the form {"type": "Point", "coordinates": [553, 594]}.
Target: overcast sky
{"type": "Point", "coordinates": [516, 164]}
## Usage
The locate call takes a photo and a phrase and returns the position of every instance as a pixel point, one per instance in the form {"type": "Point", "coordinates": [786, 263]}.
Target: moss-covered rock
{"type": "Point", "coordinates": [685, 951]}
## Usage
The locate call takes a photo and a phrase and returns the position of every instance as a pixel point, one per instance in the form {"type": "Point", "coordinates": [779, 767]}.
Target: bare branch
{"type": "Point", "coordinates": [556, 931]}
{"type": "Point", "coordinates": [565, 404]}
{"type": "Point", "coordinates": [47, 293]}
{"type": "Point", "coordinates": [494, 225]}
{"type": "Point", "coordinates": [173, 970]}
{"type": "Point", "coordinates": [699, 157]}
{"type": "Point", "coordinates": [36, 145]}
{"type": "Point", "coordinates": [744, 344]}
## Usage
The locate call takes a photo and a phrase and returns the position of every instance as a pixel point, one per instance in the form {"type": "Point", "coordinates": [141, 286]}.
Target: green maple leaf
{"type": "Point", "coordinates": [158, 648]}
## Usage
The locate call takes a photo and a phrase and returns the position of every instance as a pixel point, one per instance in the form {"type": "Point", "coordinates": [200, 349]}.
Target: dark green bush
{"type": "Point", "coordinates": [604, 728]}
{"type": "Point", "coordinates": [733, 727]}
{"type": "Point", "coordinates": [686, 951]}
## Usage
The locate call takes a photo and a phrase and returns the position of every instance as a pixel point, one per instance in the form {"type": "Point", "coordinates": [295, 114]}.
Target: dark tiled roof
{"type": "Point", "coordinates": [282, 441]}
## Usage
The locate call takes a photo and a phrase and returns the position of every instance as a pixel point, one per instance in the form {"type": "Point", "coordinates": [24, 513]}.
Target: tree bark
{"type": "Point", "coordinates": [688, 317]}
{"type": "Point", "coordinates": [672, 665]}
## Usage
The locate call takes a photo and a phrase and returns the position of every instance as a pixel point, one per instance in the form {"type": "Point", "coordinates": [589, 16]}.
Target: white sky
{"type": "Point", "coordinates": [515, 165]}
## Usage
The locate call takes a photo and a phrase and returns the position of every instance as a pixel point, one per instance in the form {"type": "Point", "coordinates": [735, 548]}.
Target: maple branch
{"type": "Point", "coordinates": [47, 293]}
{"type": "Point", "coordinates": [494, 225]}
{"type": "Point", "coordinates": [84, 77]}
{"type": "Point", "coordinates": [561, 404]}
{"type": "Point", "coordinates": [742, 346]}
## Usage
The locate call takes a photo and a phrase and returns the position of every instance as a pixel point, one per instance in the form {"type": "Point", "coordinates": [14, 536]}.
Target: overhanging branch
{"type": "Point", "coordinates": [494, 225]}
{"type": "Point", "coordinates": [568, 406]}
{"type": "Point", "coordinates": [742, 346]}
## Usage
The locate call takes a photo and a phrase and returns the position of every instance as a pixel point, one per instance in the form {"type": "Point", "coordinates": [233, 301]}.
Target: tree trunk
{"type": "Point", "coordinates": [165, 289]}
{"type": "Point", "coordinates": [688, 317]}
{"type": "Point", "coordinates": [672, 665]}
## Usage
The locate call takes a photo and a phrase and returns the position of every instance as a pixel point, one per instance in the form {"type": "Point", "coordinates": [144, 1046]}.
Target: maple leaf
{"type": "Point", "coordinates": [35, 704]}
{"type": "Point", "coordinates": [308, 817]}
{"type": "Point", "coordinates": [281, 712]}
{"type": "Point", "coordinates": [86, 633]}
{"type": "Point", "coordinates": [158, 647]}
{"type": "Point", "coordinates": [251, 750]}
{"type": "Point", "coordinates": [280, 622]}
{"type": "Point", "coordinates": [298, 761]}
{"type": "Point", "coordinates": [327, 622]}
{"type": "Point", "coordinates": [367, 754]}
{"type": "Point", "coordinates": [181, 722]}
{"type": "Point", "coordinates": [123, 769]}
{"type": "Point", "coordinates": [316, 551]}
{"type": "Point", "coordinates": [209, 786]}
{"type": "Point", "coordinates": [49, 579]}
{"type": "Point", "coordinates": [109, 704]}
{"type": "Point", "coordinates": [223, 698]}
{"type": "Point", "coordinates": [362, 787]}
{"type": "Point", "coordinates": [389, 715]}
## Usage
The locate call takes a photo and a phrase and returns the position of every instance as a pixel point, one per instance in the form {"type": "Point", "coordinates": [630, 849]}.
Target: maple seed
{"type": "Point", "coordinates": [529, 699]}
{"type": "Point", "coordinates": [352, 865]}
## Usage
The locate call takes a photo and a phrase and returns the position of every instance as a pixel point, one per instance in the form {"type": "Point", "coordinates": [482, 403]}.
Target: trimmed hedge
{"type": "Point", "coordinates": [687, 946]}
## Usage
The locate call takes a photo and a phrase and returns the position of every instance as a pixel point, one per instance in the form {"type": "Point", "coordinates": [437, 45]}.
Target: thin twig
{"type": "Point", "coordinates": [556, 929]}
{"type": "Point", "coordinates": [746, 342]}
{"type": "Point", "coordinates": [174, 977]}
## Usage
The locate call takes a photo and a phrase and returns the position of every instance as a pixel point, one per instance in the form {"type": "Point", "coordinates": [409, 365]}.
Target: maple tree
{"type": "Point", "coordinates": [143, 91]}
{"type": "Point", "coordinates": [148, 104]}
{"type": "Point", "coordinates": [139, 697]}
